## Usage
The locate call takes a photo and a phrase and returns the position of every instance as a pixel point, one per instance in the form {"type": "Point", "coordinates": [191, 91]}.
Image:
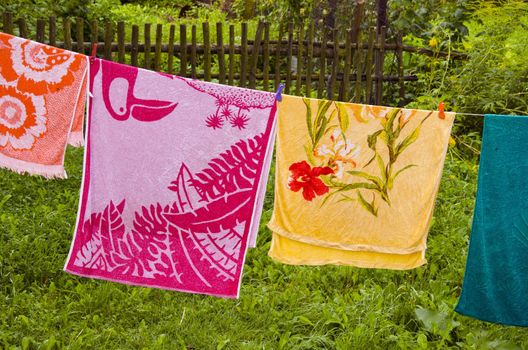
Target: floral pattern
{"type": "Point", "coordinates": [22, 118]}
{"type": "Point", "coordinates": [330, 149]}
{"type": "Point", "coordinates": [38, 69]}
{"type": "Point", "coordinates": [307, 178]}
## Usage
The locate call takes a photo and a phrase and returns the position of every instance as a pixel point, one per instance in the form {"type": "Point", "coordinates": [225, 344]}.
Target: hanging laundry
{"type": "Point", "coordinates": [175, 170]}
{"type": "Point", "coordinates": [42, 103]}
{"type": "Point", "coordinates": [496, 278]}
{"type": "Point", "coordinates": [355, 184]}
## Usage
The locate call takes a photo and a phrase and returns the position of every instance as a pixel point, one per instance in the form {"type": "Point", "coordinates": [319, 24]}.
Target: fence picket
{"type": "Point", "coordinates": [193, 51]}
{"type": "Point", "coordinates": [231, 53]}
{"type": "Point", "coordinates": [22, 27]}
{"type": "Point", "coordinates": [309, 60]}
{"type": "Point", "coordinates": [243, 56]}
{"type": "Point", "coordinates": [183, 50]}
{"type": "Point", "coordinates": [170, 52]}
{"type": "Point", "coordinates": [221, 53]}
{"type": "Point", "coordinates": [79, 35]}
{"type": "Point", "coordinates": [8, 23]}
{"type": "Point", "coordinates": [108, 39]}
{"type": "Point", "coordinates": [66, 33]}
{"type": "Point", "coordinates": [134, 49]}
{"type": "Point", "coordinates": [266, 53]}
{"type": "Point", "coordinates": [147, 45]}
{"type": "Point", "coordinates": [157, 49]}
{"type": "Point", "coordinates": [255, 55]}
{"type": "Point", "coordinates": [41, 27]}
{"type": "Point", "coordinates": [289, 58]}
{"type": "Point", "coordinates": [300, 58]}
{"type": "Point", "coordinates": [53, 31]}
{"type": "Point", "coordinates": [121, 42]}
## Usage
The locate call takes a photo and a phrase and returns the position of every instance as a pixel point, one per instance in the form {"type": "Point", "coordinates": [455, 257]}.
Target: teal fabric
{"type": "Point", "coordinates": [495, 285]}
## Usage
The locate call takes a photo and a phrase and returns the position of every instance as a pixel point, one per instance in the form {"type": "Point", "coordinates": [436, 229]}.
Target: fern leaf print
{"type": "Point", "coordinates": [168, 202]}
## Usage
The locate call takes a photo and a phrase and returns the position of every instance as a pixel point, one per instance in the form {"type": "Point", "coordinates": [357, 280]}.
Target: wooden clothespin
{"type": "Point", "coordinates": [441, 107]}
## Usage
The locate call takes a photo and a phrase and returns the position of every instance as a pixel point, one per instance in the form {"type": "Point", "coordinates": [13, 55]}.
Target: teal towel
{"type": "Point", "coordinates": [495, 285]}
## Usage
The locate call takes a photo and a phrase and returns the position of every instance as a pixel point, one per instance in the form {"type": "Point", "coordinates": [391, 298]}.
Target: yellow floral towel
{"type": "Point", "coordinates": [355, 184]}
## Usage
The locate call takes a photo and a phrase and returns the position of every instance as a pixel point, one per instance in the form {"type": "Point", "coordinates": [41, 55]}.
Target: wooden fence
{"type": "Point", "coordinates": [352, 66]}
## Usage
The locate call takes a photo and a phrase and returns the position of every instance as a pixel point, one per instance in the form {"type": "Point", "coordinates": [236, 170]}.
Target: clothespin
{"type": "Point", "coordinates": [278, 95]}
{"type": "Point", "coordinates": [441, 107]}
{"type": "Point", "coordinates": [94, 51]}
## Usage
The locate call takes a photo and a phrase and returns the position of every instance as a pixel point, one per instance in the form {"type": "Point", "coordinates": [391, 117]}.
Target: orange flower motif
{"type": "Point", "coordinates": [39, 68]}
{"type": "Point", "coordinates": [22, 118]}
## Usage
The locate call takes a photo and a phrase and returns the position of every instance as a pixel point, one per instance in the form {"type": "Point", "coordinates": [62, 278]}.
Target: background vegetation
{"type": "Point", "coordinates": [281, 307]}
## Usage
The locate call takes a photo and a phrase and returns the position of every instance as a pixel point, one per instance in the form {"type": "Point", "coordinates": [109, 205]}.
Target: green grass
{"type": "Point", "coordinates": [281, 307]}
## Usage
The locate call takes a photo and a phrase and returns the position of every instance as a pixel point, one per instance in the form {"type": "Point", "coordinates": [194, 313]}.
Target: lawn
{"type": "Point", "coordinates": [281, 307]}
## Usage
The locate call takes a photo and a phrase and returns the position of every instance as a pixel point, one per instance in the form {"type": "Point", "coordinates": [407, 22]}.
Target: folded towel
{"type": "Point", "coordinates": [355, 184]}
{"type": "Point", "coordinates": [495, 285]}
{"type": "Point", "coordinates": [41, 105]}
{"type": "Point", "coordinates": [175, 170]}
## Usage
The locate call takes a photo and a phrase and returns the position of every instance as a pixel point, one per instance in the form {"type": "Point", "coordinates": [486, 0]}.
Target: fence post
{"type": "Point", "coordinates": [8, 23]}
{"type": "Point", "coordinates": [243, 56]}
{"type": "Point", "coordinates": [52, 31]}
{"type": "Point", "coordinates": [183, 50]}
{"type": "Point", "coordinates": [147, 46]}
{"type": "Point", "coordinates": [277, 76]}
{"type": "Point", "coordinates": [358, 55]}
{"type": "Point", "coordinates": [22, 27]}
{"type": "Point", "coordinates": [41, 27]}
{"type": "Point", "coordinates": [66, 33]}
{"type": "Point", "coordinates": [255, 52]}
{"type": "Point", "coordinates": [231, 54]}
{"type": "Point", "coordinates": [170, 49]}
{"type": "Point", "coordinates": [109, 38]}
{"type": "Point", "coordinates": [300, 54]}
{"type": "Point", "coordinates": [134, 49]}
{"type": "Point", "coordinates": [343, 94]}
{"type": "Point", "coordinates": [265, 65]}
{"type": "Point", "coordinates": [79, 35]}
{"type": "Point", "coordinates": [379, 65]}
{"type": "Point", "coordinates": [193, 51]}
{"type": "Point", "coordinates": [207, 51]}
{"type": "Point", "coordinates": [399, 57]}
{"type": "Point", "coordinates": [368, 66]}
{"type": "Point", "coordinates": [221, 53]}
{"type": "Point", "coordinates": [121, 42]}
{"type": "Point", "coordinates": [322, 63]}
{"type": "Point", "coordinates": [94, 33]}
{"type": "Point", "coordinates": [157, 49]}
{"type": "Point", "coordinates": [335, 65]}
{"type": "Point", "coordinates": [289, 58]}
{"type": "Point", "coordinates": [309, 60]}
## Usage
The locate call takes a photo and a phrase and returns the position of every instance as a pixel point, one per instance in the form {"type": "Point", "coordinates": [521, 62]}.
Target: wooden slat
{"type": "Point", "coordinates": [243, 55]}
{"type": "Point", "coordinates": [170, 53]}
{"type": "Point", "coordinates": [8, 23]}
{"type": "Point", "coordinates": [147, 46]}
{"type": "Point", "coordinates": [322, 64]}
{"type": "Point", "coordinates": [41, 27]}
{"type": "Point", "coordinates": [207, 51]}
{"type": "Point", "coordinates": [300, 58]}
{"type": "Point", "coordinates": [221, 53]}
{"type": "Point", "coordinates": [231, 54]}
{"type": "Point", "coordinates": [255, 55]}
{"type": "Point", "coordinates": [343, 93]}
{"type": "Point", "coordinates": [193, 51]}
{"type": "Point", "coordinates": [79, 35]}
{"type": "Point", "coordinates": [66, 33]}
{"type": "Point", "coordinates": [265, 66]}
{"type": "Point", "coordinates": [109, 38]}
{"type": "Point", "coordinates": [121, 42]}
{"type": "Point", "coordinates": [335, 66]}
{"type": "Point", "coordinates": [157, 50]}
{"type": "Point", "coordinates": [368, 66]}
{"type": "Point", "coordinates": [94, 34]}
{"type": "Point", "coordinates": [134, 48]}
{"type": "Point", "coordinates": [399, 58]}
{"type": "Point", "coordinates": [52, 31]}
{"type": "Point", "coordinates": [358, 64]}
{"type": "Point", "coordinates": [309, 60]}
{"type": "Point", "coordinates": [289, 56]}
{"type": "Point", "coordinates": [22, 28]}
{"type": "Point", "coordinates": [278, 57]}
{"type": "Point", "coordinates": [183, 50]}
{"type": "Point", "coordinates": [379, 66]}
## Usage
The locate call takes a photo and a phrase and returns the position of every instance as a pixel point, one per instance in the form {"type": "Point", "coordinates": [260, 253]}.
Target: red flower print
{"type": "Point", "coordinates": [307, 178]}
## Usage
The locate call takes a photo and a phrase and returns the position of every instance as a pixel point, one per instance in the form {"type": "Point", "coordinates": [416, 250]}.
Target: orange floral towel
{"type": "Point", "coordinates": [41, 105]}
{"type": "Point", "coordinates": [355, 184]}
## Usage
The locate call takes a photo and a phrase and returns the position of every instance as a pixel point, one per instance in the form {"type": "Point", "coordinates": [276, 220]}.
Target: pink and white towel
{"type": "Point", "coordinates": [174, 178]}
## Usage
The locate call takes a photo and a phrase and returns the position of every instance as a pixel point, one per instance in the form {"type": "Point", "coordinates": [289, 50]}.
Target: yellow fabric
{"type": "Point", "coordinates": [339, 198]}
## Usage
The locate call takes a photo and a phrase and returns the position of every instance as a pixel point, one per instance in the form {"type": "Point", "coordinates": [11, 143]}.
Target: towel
{"type": "Point", "coordinates": [355, 184]}
{"type": "Point", "coordinates": [173, 177]}
{"type": "Point", "coordinates": [41, 105]}
{"type": "Point", "coordinates": [495, 284]}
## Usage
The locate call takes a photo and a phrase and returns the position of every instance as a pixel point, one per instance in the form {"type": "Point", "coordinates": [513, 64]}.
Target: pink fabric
{"type": "Point", "coordinates": [173, 175]}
